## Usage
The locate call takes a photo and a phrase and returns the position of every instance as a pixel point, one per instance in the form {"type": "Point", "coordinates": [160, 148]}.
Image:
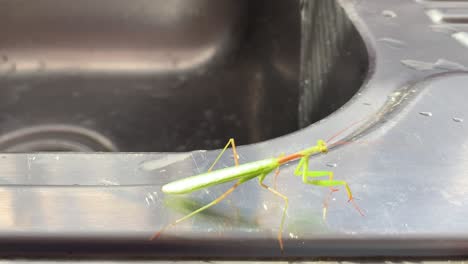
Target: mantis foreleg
{"type": "Point", "coordinates": [302, 169]}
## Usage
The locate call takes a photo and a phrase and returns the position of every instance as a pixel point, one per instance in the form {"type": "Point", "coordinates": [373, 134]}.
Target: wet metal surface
{"type": "Point", "coordinates": [118, 195]}
{"type": "Point", "coordinates": [407, 171]}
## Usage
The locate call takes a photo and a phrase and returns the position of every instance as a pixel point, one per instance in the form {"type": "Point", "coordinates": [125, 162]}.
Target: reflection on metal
{"type": "Point", "coordinates": [55, 137]}
{"type": "Point", "coordinates": [168, 61]}
{"type": "Point", "coordinates": [153, 75]}
{"type": "Point", "coordinates": [330, 44]}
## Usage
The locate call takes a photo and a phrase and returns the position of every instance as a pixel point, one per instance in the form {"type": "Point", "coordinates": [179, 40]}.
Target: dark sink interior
{"type": "Point", "coordinates": [155, 75]}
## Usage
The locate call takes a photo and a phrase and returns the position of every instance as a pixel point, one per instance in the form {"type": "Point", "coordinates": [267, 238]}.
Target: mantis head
{"type": "Point", "coordinates": [322, 145]}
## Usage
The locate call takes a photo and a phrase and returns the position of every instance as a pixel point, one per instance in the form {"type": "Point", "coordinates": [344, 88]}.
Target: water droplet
{"type": "Point", "coordinates": [444, 28]}
{"type": "Point", "coordinates": [461, 37]}
{"type": "Point", "coordinates": [333, 165]}
{"type": "Point", "coordinates": [418, 65]}
{"type": "Point", "coordinates": [425, 113]}
{"type": "Point", "coordinates": [457, 119]}
{"type": "Point", "coordinates": [440, 64]}
{"type": "Point", "coordinates": [265, 207]}
{"type": "Point", "coordinates": [108, 182]}
{"type": "Point", "coordinates": [435, 15]}
{"type": "Point", "coordinates": [150, 197]}
{"type": "Point", "coordinates": [444, 64]}
{"type": "Point", "coordinates": [208, 114]}
{"type": "Point", "coordinates": [393, 43]}
{"type": "Point", "coordinates": [389, 13]}
{"type": "Point", "coordinates": [366, 103]}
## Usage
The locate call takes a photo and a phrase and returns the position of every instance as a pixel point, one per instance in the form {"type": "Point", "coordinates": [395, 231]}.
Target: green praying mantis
{"type": "Point", "coordinates": [257, 169]}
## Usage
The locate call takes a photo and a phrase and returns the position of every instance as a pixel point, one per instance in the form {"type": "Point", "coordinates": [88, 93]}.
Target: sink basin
{"type": "Point", "coordinates": [146, 76]}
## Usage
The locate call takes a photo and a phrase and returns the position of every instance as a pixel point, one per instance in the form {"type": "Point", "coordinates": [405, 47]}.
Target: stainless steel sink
{"type": "Point", "coordinates": [160, 76]}
{"type": "Point", "coordinates": [154, 75]}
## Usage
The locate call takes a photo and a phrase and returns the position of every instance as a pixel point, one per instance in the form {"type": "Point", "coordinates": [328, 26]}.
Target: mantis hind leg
{"type": "Point", "coordinates": [286, 202]}
{"type": "Point", "coordinates": [234, 151]}
{"type": "Point", "coordinates": [303, 170]}
{"type": "Point", "coordinates": [232, 143]}
{"type": "Point", "coordinates": [214, 202]}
